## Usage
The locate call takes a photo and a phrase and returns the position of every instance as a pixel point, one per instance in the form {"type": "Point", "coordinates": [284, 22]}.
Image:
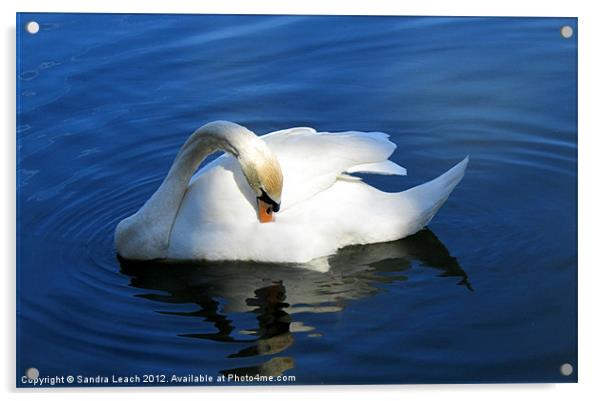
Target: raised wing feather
{"type": "Point", "coordinates": [311, 161]}
{"type": "Point", "coordinates": [385, 168]}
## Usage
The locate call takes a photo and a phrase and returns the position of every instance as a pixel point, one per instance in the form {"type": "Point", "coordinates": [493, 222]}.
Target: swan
{"type": "Point", "coordinates": [285, 197]}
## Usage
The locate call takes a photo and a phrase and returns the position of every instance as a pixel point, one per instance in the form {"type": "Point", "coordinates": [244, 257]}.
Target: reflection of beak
{"type": "Point", "coordinates": [265, 211]}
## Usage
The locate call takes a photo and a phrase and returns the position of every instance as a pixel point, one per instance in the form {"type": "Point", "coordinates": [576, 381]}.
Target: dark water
{"type": "Point", "coordinates": [486, 294]}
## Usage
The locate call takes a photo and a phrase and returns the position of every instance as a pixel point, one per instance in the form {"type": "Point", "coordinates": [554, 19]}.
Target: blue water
{"type": "Point", "coordinates": [488, 293]}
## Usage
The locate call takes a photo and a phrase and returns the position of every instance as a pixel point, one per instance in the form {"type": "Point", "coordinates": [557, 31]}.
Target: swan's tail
{"type": "Point", "coordinates": [427, 199]}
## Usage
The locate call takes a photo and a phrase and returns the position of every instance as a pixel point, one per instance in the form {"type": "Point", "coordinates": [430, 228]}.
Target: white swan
{"type": "Point", "coordinates": [217, 214]}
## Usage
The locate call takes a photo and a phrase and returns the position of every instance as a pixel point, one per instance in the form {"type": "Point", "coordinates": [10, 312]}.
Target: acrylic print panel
{"type": "Point", "coordinates": [462, 271]}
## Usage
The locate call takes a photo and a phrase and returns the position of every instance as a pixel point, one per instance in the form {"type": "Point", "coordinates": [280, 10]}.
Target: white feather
{"type": "Point", "coordinates": [386, 167]}
{"type": "Point", "coordinates": [320, 213]}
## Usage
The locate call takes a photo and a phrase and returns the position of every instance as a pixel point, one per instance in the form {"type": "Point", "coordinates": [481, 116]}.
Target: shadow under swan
{"type": "Point", "coordinates": [276, 293]}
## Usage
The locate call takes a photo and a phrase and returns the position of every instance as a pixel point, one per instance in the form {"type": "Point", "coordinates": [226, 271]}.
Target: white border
{"type": "Point", "coordinates": [590, 202]}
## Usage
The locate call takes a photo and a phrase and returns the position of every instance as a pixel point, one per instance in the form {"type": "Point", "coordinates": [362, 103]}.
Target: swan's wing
{"type": "Point", "coordinates": [386, 168]}
{"type": "Point", "coordinates": [313, 161]}
{"type": "Point", "coordinates": [352, 213]}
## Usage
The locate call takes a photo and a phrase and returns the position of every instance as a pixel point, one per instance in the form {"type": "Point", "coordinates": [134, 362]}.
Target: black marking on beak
{"type": "Point", "coordinates": [264, 197]}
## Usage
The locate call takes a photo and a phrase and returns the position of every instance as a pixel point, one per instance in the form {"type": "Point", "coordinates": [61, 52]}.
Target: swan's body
{"type": "Point", "coordinates": [213, 215]}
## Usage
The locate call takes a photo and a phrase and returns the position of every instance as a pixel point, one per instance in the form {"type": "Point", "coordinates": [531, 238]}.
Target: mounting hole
{"type": "Point", "coordinates": [566, 31]}
{"type": "Point", "coordinates": [32, 27]}
{"type": "Point", "coordinates": [32, 373]}
{"type": "Point", "coordinates": [566, 369]}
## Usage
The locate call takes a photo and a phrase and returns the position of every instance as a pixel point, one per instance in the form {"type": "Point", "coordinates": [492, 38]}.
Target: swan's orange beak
{"type": "Point", "coordinates": [265, 211]}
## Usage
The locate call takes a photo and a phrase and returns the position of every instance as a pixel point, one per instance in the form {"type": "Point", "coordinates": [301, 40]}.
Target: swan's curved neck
{"type": "Point", "coordinates": [206, 140]}
{"type": "Point", "coordinates": [160, 211]}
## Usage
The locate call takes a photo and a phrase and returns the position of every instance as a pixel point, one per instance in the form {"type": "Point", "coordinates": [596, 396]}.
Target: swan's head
{"type": "Point", "coordinates": [263, 173]}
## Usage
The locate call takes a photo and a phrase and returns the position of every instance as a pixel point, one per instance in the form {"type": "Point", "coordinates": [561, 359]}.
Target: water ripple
{"type": "Point", "coordinates": [111, 110]}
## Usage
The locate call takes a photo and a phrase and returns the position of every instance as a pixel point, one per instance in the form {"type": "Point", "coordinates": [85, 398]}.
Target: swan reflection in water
{"type": "Point", "coordinates": [276, 294]}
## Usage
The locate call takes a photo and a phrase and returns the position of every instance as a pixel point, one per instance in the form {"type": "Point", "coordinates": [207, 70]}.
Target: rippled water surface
{"type": "Point", "coordinates": [486, 294]}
